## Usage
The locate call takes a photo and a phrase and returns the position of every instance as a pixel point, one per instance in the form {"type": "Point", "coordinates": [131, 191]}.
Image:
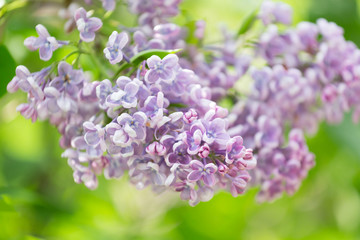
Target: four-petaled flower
{"type": "Point", "coordinates": [87, 25]}
{"type": "Point", "coordinates": [45, 43]}
{"type": "Point", "coordinates": [201, 171]}
{"type": "Point", "coordinates": [116, 43]}
{"type": "Point", "coordinates": [179, 154]}
{"type": "Point", "coordinates": [161, 69]}
{"type": "Point", "coordinates": [234, 149]}
{"type": "Point", "coordinates": [68, 79]}
{"type": "Point", "coordinates": [134, 125]}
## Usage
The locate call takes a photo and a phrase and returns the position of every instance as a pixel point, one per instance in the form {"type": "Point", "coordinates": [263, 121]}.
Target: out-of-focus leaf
{"type": "Point", "coordinates": [137, 59]}
{"type": "Point", "coordinates": [7, 69]}
{"type": "Point", "coordinates": [191, 26]}
{"type": "Point", "coordinates": [248, 22]}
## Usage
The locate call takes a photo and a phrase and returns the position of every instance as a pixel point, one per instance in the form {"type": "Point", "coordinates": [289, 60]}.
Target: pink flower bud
{"type": "Point", "coordinates": [223, 169]}
{"type": "Point", "coordinates": [190, 116]}
{"type": "Point", "coordinates": [156, 148]}
{"type": "Point", "coordinates": [329, 94]}
{"type": "Point", "coordinates": [204, 151]}
{"type": "Point", "coordinates": [248, 154]}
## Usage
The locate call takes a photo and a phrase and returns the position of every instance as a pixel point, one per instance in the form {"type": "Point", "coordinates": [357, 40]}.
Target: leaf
{"type": "Point", "coordinates": [248, 22]}
{"type": "Point", "coordinates": [191, 26]}
{"type": "Point", "coordinates": [137, 59]}
{"type": "Point", "coordinates": [7, 69]}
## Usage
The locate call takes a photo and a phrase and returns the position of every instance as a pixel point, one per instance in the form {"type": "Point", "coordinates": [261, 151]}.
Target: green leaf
{"type": "Point", "coordinates": [191, 26]}
{"type": "Point", "coordinates": [137, 59]}
{"type": "Point", "coordinates": [248, 22]}
{"type": "Point", "coordinates": [7, 69]}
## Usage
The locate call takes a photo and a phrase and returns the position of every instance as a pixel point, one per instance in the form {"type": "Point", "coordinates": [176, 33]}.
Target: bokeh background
{"type": "Point", "coordinates": [39, 200]}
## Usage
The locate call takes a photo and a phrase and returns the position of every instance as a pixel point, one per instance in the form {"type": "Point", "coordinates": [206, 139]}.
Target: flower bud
{"type": "Point", "coordinates": [204, 151]}
{"type": "Point", "coordinates": [190, 116]}
{"type": "Point", "coordinates": [156, 148]}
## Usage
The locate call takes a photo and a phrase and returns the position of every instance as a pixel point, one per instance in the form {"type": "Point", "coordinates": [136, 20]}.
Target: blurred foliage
{"type": "Point", "coordinates": [39, 200]}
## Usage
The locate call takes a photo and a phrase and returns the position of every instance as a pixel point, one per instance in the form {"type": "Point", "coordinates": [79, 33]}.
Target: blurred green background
{"type": "Point", "coordinates": [39, 200]}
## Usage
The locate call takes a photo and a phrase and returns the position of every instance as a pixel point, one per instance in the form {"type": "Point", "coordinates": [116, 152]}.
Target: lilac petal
{"type": "Point", "coordinates": [94, 24]}
{"type": "Point", "coordinates": [196, 165]}
{"type": "Point", "coordinates": [87, 36]}
{"type": "Point", "coordinates": [64, 68]}
{"type": "Point", "coordinates": [79, 142]}
{"type": "Point", "coordinates": [209, 180]}
{"type": "Point", "coordinates": [51, 92]}
{"type": "Point", "coordinates": [30, 43]}
{"type": "Point", "coordinates": [92, 138]}
{"type": "Point", "coordinates": [151, 76]}
{"type": "Point", "coordinates": [122, 81]}
{"type": "Point", "coordinates": [185, 194]}
{"type": "Point", "coordinates": [172, 158]}
{"type": "Point", "coordinates": [13, 85]}
{"type": "Point", "coordinates": [123, 39]}
{"type": "Point", "coordinates": [205, 194]}
{"type": "Point", "coordinates": [194, 176]}
{"type": "Point", "coordinates": [52, 106]}
{"type": "Point", "coordinates": [45, 53]}
{"type": "Point", "coordinates": [218, 125]}
{"type": "Point", "coordinates": [123, 118]}
{"type": "Point", "coordinates": [130, 131]}
{"type": "Point", "coordinates": [109, 5]}
{"type": "Point", "coordinates": [53, 43]}
{"type": "Point", "coordinates": [57, 83]}
{"type": "Point", "coordinates": [22, 72]}
{"type": "Point", "coordinates": [140, 117]}
{"type": "Point", "coordinates": [71, 89]}
{"type": "Point", "coordinates": [80, 13]}
{"type": "Point", "coordinates": [170, 60]}
{"type": "Point", "coordinates": [127, 151]}
{"type": "Point", "coordinates": [64, 103]}
{"type": "Point", "coordinates": [112, 39]}
{"type": "Point", "coordinates": [131, 89]}
{"type": "Point", "coordinates": [210, 168]}
{"type": "Point", "coordinates": [152, 61]}
{"type": "Point", "coordinates": [129, 102]}
{"type": "Point", "coordinates": [42, 31]}
{"type": "Point", "coordinates": [166, 74]}
{"type": "Point", "coordinates": [118, 58]}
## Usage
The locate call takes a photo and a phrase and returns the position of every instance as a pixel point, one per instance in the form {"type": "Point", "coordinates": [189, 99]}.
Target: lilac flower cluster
{"type": "Point", "coordinates": [158, 119]}
{"type": "Point", "coordinates": [310, 77]}
{"type": "Point", "coordinates": [185, 149]}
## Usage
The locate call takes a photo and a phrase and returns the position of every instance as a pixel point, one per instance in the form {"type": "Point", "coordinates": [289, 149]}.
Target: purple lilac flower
{"type": "Point", "coordinates": [68, 14]}
{"type": "Point", "coordinates": [234, 149]}
{"type": "Point", "coordinates": [271, 12]}
{"type": "Point", "coordinates": [133, 125]}
{"type": "Point", "coordinates": [125, 96]}
{"type": "Point", "coordinates": [142, 43]}
{"type": "Point", "coordinates": [116, 43]}
{"type": "Point", "coordinates": [204, 172]}
{"type": "Point", "coordinates": [87, 25]}
{"type": "Point", "coordinates": [179, 154]}
{"type": "Point", "coordinates": [27, 82]}
{"type": "Point", "coordinates": [109, 5]}
{"type": "Point", "coordinates": [68, 79]}
{"type": "Point", "coordinates": [215, 132]}
{"type": "Point", "coordinates": [154, 108]}
{"type": "Point", "coordinates": [45, 43]}
{"type": "Point", "coordinates": [161, 69]}
{"type": "Point", "coordinates": [193, 138]}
